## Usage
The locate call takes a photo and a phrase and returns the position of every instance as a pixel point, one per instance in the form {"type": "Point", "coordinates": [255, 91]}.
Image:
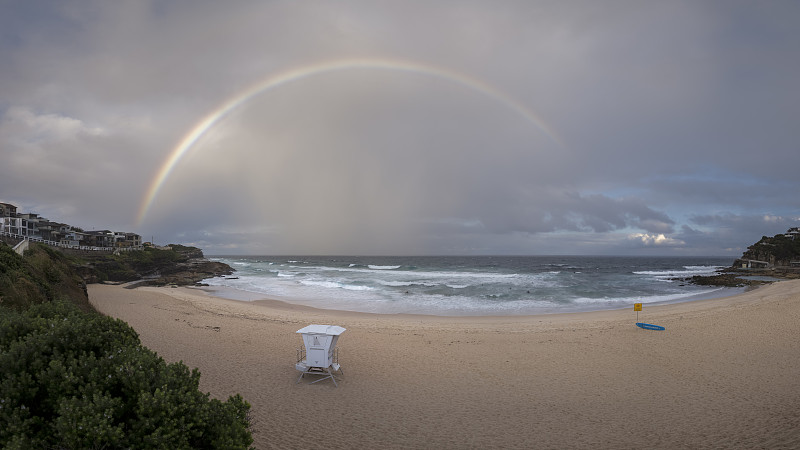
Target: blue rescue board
{"type": "Point", "coordinates": [650, 326]}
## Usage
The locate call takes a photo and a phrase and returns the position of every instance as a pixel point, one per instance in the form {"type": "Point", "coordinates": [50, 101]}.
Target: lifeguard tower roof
{"type": "Point", "coordinates": [330, 330]}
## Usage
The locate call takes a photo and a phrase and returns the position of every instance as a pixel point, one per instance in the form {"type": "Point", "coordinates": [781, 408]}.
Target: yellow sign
{"type": "Point", "coordinates": [637, 306]}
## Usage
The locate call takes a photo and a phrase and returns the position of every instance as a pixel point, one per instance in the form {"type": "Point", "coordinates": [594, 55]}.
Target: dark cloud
{"type": "Point", "coordinates": [676, 121]}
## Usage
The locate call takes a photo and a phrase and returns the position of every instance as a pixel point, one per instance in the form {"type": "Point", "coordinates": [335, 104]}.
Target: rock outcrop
{"type": "Point", "coordinates": [776, 257]}
{"type": "Point", "coordinates": [190, 272]}
{"type": "Point", "coordinates": [170, 265]}
{"type": "Point", "coordinates": [779, 251]}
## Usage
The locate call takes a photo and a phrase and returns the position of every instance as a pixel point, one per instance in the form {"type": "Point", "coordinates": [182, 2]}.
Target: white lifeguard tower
{"type": "Point", "coordinates": [320, 355]}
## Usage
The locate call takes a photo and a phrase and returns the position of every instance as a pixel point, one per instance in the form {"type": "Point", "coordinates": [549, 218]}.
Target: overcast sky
{"type": "Point", "coordinates": [469, 127]}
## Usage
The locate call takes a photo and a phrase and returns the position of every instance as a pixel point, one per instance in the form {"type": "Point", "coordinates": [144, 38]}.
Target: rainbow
{"type": "Point", "coordinates": [306, 71]}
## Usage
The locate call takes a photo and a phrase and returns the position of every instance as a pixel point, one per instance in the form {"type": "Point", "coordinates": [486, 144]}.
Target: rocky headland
{"type": "Point", "coordinates": [170, 265]}
{"type": "Point", "coordinates": [768, 260]}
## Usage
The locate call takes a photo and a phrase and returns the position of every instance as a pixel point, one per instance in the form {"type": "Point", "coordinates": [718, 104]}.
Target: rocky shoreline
{"type": "Point", "coordinates": [189, 273]}
{"type": "Point", "coordinates": [733, 277]}
{"type": "Point", "coordinates": [174, 265]}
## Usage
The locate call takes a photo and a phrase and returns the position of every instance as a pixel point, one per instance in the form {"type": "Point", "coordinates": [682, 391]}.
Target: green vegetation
{"type": "Point", "coordinates": [72, 378]}
{"type": "Point", "coordinates": [780, 247]}
{"type": "Point", "coordinates": [133, 265]}
{"type": "Point", "coordinates": [42, 276]}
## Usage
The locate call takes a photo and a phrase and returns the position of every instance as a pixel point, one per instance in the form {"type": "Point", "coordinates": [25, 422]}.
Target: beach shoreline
{"type": "Point", "coordinates": [464, 286]}
{"type": "Point", "coordinates": [229, 293]}
{"type": "Point", "coordinates": [722, 374]}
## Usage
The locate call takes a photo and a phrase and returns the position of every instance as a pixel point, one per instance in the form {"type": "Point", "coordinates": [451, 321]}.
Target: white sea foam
{"type": "Point", "coordinates": [405, 283]}
{"type": "Point", "coordinates": [430, 275]}
{"type": "Point", "coordinates": [335, 285]}
{"type": "Point", "coordinates": [687, 272]}
{"type": "Point", "coordinates": [464, 286]}
{"type": "Point", "coordinates": [665, 298]}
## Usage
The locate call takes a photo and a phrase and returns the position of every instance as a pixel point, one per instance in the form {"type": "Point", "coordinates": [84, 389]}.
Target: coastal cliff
{"type": "Point", "coordinates": [171, 265]}
{"type": "Point", "coordinates": [771, 258]}
{"type": "Point", "coordinates": [781, 252]}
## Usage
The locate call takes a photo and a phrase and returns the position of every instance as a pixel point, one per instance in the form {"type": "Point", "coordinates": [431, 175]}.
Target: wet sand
{"type": "Point", "coordinates": [724, 374]}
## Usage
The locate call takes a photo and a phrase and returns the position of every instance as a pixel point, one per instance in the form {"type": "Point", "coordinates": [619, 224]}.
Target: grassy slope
{"type": "Point", "coordinates": [43, 275]}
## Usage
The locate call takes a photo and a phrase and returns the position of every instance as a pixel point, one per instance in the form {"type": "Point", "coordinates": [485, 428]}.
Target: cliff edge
{"type": "Point", "coordinates": [170, 265]}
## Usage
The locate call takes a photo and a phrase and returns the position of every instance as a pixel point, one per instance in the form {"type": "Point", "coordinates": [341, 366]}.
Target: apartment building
{"type": "Point", "coordinates": [32, 226]}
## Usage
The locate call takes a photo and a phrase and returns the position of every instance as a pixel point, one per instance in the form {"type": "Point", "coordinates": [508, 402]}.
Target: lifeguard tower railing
{"type": "Point", "coordinates": [301, 355]}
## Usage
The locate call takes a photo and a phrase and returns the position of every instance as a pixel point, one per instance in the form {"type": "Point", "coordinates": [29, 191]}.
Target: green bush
{"type": "Point", "coordinates": [71, 379]}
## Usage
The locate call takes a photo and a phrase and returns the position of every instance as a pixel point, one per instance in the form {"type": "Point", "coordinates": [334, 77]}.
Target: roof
{"type": "Point", "coordinates": [331, 330]}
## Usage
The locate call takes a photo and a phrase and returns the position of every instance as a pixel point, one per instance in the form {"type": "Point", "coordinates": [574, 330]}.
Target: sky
{"type": "Point", "coordinates": [406, 127]}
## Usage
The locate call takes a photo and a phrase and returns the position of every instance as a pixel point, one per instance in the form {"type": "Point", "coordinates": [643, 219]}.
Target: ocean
{"type": "Point", "coordinates": [467, 285]}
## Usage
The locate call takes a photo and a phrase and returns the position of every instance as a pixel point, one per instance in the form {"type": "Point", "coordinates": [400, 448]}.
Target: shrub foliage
{"type": "Point", "coordinates": [72, 378]}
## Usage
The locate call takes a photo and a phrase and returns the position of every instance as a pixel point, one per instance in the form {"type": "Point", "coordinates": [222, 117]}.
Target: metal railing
{"type": "Point", "coordinates": [301, 355]}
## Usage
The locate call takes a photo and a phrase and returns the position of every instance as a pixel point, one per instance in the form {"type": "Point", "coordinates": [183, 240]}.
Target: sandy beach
{"type": "Point", "coordinates": [724, 374]}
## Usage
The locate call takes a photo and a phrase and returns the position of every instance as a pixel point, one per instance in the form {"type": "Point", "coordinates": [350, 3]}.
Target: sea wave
{"type": "Point", "coordinates": [427, 274]}
{"type": "Point", "coordinates": [405, 283]}
{"type": "Point", "coordinates": [464, 286]}
{"type": "Point", "coordinates": [688, 271]}
{"type": "Point", "coordinates": [336, 285]}
{"type": "Point", "coordinates": [627, 301]}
